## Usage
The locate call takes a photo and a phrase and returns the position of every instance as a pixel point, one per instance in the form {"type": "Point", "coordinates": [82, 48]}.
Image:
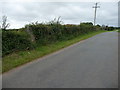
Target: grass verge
{"type": "Point", "coordinates": [19, 58]}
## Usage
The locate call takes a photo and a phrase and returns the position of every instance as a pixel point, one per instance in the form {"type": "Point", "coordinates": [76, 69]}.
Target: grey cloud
{"type": "Point", "coordinates": [70, 12]}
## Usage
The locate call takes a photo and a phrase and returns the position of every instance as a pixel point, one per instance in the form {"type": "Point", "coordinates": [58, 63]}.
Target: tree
{"type": "Point", "coordinates": [4, 23]}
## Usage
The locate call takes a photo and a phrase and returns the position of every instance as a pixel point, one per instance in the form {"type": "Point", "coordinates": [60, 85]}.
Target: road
{"type": "Point", "coordinates": [91, 63]}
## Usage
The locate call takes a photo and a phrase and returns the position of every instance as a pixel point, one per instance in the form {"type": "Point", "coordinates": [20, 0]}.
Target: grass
{"type": "Point", "coordinates": [118, 30]}
{"type": "Point", "coordinates": [19, 58]}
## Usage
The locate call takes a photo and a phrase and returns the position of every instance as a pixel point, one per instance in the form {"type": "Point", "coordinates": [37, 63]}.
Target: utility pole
{"type": "Point", "coordinates": [96, 6]}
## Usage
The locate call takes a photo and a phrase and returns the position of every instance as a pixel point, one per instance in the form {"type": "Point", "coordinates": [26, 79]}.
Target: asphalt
{"type": "Point", "coordinates": [92, 63]}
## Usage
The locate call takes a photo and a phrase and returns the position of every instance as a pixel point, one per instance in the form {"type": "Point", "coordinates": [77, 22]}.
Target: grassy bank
{"type": "Point", "coordinates": [19, 58]}
{"type": "Point", "coordinates": [118, 30]}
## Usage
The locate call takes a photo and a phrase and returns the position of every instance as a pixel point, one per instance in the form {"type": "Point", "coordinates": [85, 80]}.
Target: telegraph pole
{"type": "Point", "coordinates": [96, 6]}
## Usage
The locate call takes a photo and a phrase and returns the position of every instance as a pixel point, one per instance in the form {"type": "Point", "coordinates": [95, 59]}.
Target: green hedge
{"type": "Point", "coordinates": [44, 33]}
{"type": "Point", "coordinates": [54, 31]}
{"type": "Point", "coordinates": [12, 41]}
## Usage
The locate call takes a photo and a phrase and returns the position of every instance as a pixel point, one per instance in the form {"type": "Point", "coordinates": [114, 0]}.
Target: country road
{"type": "Point", "coordinates": [91, 63]}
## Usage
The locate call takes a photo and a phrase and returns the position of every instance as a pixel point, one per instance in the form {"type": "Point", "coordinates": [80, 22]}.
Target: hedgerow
{"type": "Point", "coordinates": [12, 42]}
{"type": "Point", "coordinates": [43, 33]}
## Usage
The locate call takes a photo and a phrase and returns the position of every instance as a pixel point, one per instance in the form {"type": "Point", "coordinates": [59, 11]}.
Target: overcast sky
{"type": "Point", "coordinates": [20, 14]}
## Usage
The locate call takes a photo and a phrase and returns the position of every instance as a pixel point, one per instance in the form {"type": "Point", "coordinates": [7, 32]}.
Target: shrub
{"type": "Point", "coordinates": [53, 31]}
{"type": "Point", "coordinates": [43, 33]}
{"type": "Point", "coordinates": [86, 27]}
{"type": "Point", "coordinates": [12, 41]}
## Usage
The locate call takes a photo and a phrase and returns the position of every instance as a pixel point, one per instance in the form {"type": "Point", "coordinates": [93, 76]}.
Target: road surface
{"type": "Point", "coordinates": [92, 63]}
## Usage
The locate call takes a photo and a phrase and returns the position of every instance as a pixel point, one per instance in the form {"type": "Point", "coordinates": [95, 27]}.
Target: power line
{"type": "Point", "coordinates": [96, 6]}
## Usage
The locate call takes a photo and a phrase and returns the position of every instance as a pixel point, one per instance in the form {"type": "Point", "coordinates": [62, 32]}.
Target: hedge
{"type": "Point", "coordinates": [12, 42]}
{"type": "Point", "coordinates": [43, 33]}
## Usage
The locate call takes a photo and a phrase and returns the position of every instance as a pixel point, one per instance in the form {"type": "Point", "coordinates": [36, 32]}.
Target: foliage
{"type": "Point", "coordinates": [53, 31]}
{"type": "Point", "coordinates": [108, 28]}
{"type": "Point", "coordinates": [16, 59]}
{"type": "Point", "coordinates": [12, 41]}
{"type": "Point", "coordinates": [43, 33]}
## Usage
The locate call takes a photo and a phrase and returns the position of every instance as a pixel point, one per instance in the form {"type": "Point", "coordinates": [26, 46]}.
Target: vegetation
{"type": "Point", "coordinates": [118, 29]}
{"type": "Point", "coordinates": [14, 41]}
{"type": "Point", "coordinates": [35, 40]}
{"type": "Point", "coordinates": [4, 25]}
{"type": "Point", "coordinates": [36, 34]}
{"type": "Point", "coordinates": [19, 58]}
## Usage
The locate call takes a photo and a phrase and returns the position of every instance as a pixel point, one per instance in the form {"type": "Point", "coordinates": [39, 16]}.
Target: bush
{"type": "Point", "coordinates": [86, 27]}
{"type": "Point", "coordinates": [53, 31]}
{"type": "Point", "coordinates": [12, 41]}
{"type": "Point", "coordinates": [43, 34]}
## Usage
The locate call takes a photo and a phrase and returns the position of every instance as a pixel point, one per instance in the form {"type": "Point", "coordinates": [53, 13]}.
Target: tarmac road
{"type": "Point", "coordinates": [92, 63]}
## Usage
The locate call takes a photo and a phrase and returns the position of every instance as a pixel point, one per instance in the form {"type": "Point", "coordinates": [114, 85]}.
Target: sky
{"type": "Point", "coordinates": [119, 14]}
{"type": "Point", "coordinates": [21, 13]}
